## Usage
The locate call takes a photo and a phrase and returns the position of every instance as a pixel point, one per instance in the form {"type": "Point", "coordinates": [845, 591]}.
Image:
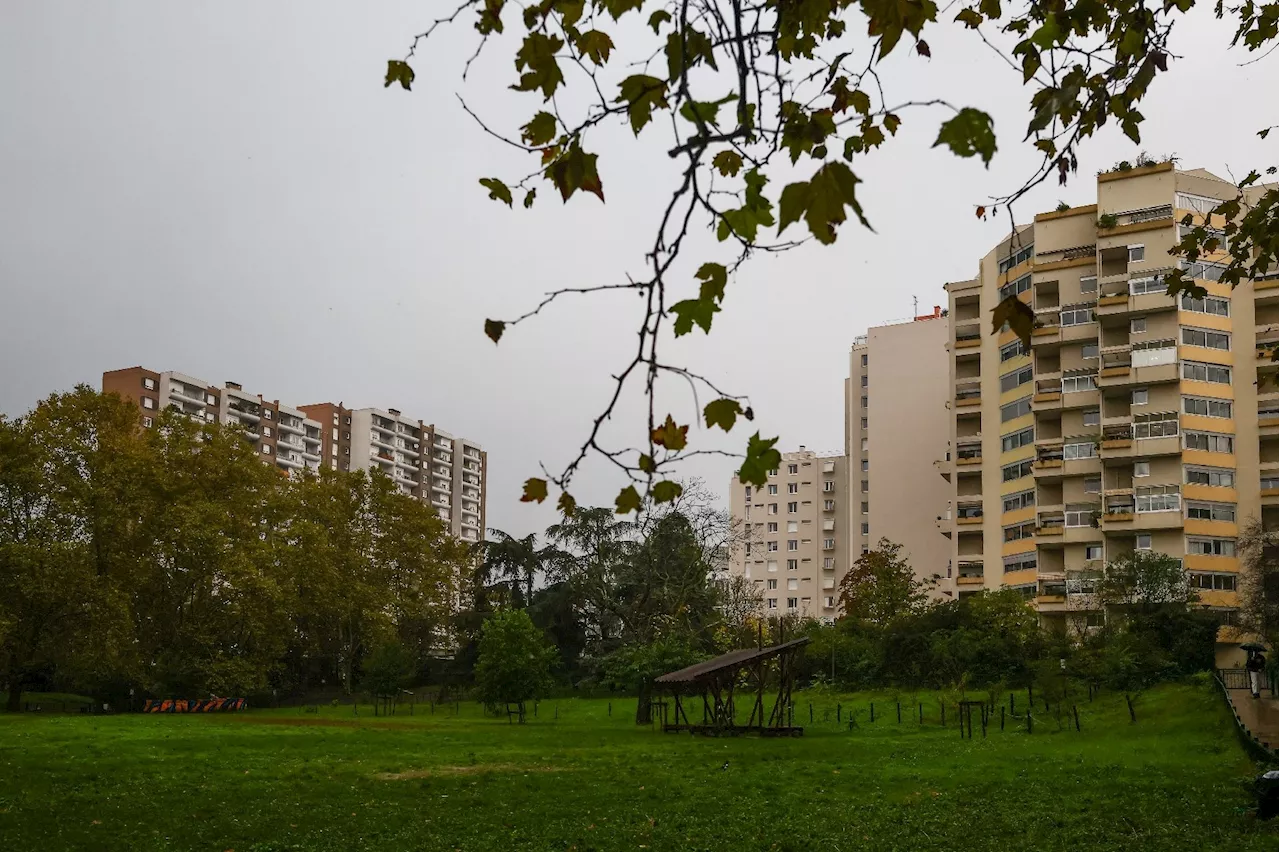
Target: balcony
{"type": "Point", "coordinates": [292, 425]}
{"type": "Point", "coordinates": [968, 334]}
{"type": "Point", "coordinates": [828, 525]}
{"type": "Point", "coordinates": [969, 513]}
{"type": "Point", "coordinates": [292, 461]}
{"type": "Point", "coordinates": [185, 394]}
{"type": "Point", "coordinates": [1146, 214]}
{"type": "Point", "coordinates": [1266, 341]}
{"type": "Point", "coordinates": [471, 453]}
{"type": "Point", "coordinates": [250, 414]}
{"type": "Point", "coordinates": [969, 574]}
{"type": "Point", "coordinates": [944, 523]}
{"type": "Point", "coordinates": [443, 458]}
{"type": "Point", "coordinates": [969, 454]}
{"type": "Point", "coordinates": [293, 445]}
{"type": "Point", "coordinates": [474, 468]}
{"type": "Point", "coordinates": [380, 440]}
{"type": "Point", "coordinates": [1048, 395]}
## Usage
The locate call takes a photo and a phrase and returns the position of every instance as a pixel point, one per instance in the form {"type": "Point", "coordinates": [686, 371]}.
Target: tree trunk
{"type": "Point", "coordinates": [643, 710]}
{"type": "Point", "coordinates": [14, 702]}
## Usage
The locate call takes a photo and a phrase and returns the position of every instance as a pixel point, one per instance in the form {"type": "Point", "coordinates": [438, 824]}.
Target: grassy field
{"type": "Point", "coordinates": [577, 778]}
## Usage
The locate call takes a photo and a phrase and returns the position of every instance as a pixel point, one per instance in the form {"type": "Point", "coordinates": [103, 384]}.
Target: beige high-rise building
{"type": "Point", "coordinates": [798, 550]}
{"type": "Point", "coordinates": [448, 473]}
{"type": "Point", "coordinates": [898, 382]}
{"type": "Point", "coordinates": [1135, 421]}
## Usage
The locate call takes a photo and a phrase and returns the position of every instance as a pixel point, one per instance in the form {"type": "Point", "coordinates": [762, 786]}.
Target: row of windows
{"type": "Point", "coordinates": [1020, 562]}
{"type": "Point", "coordinates": [1017, 470]}
{"type": "Point", "coordinates": [1207, 305]}
{"type": "Point", "coordinates": [1012, 350]}
{"type": "Point", "coordinates": [1018, 439]}
{"type": "Point", "coordinates": [1214, 582]}
{"type": "Point", "coordinates": [1212, 442]}
{"type": "Point", "coordinates": [1011, 380]}
{"type": "Point", "coordinates": [1206, 338]}
{"type": "Point", "coordinates": [1020, 531]}
{"type": "Point", "coordinates": [1021, 500]}
{"type": "Point", "coordinates": [1013, 288]}
{"type": "Point", "coordinates": [1217, 476]}
{"type": "Point", "coordinates": [1017, 257]}
{"type": "Point", "coordinates": [1201, 372]}
{"type": "Point", "coordinates": [1015, 409]}
{"type": "Point", "coordinates": [1204, 546]}
{"type": "Point", "coordinates": [1206, 407]}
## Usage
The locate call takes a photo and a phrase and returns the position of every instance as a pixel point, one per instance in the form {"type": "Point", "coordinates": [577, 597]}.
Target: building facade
{"type": "Point", "coordinates": [1133, 420]}
{"type": "Point", "coordinates": [893, 408]}
{"type": "Point", "coordinates": [798, 546]}
{"type": "Point", "coordinates": [427, 463]}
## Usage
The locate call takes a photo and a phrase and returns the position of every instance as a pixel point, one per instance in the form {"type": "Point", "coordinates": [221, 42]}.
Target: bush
{"type": "Point", "coordinates": [514, 663]}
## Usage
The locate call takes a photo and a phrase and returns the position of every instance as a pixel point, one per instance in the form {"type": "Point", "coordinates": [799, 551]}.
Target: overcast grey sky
{"type": "Point", "coordinates": [227, 190]}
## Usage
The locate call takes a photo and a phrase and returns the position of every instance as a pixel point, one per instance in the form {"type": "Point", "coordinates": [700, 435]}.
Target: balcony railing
{"type": "Point", "coordinates": [1146, 214]}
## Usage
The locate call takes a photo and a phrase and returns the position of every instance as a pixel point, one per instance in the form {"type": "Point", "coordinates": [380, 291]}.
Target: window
{"type": "Point", "coordinates": [1076, 516]}
{"type": "Point", "coordinates": [864, 380]}
{"type": "Point", "coordinates": [1022, 438]}
{"type": "Point", "coordinates": [1138, 325]}
{"type": "Point", "coordinates": [1206, 407]}
{"type": "Point", "coordinates": [1021, 500]}
{"type": "Point", "coordinates": [1136, 253]}
{"type": "Point", "coordinates": [866, 529]}
{"type": "Point", "coordinates": [864, 360]}
{"type": "Point", "coordinates": [866, 507]}
{"type": "Point", "coordinates": [773, 472]}
{"type": "Point", "coordinates": [1088, 283]}
{"type": "Point", "coordinates": [1091, 416]}
{"type": "Point", "coordinates": [828, 505]}
{"type": "Point", "coordinates": [148, 403]}
{"type": "Point", "coordinates": [865, 489]}
{"type": "Point", "coordinates": [864, 445]}
{"type": "Point", "coordinates": [792, 508]}
{"type": "Point", "coordinates": [1216, 476]}
{"type": "Point", "coordinates": [1015, 409]}
{"type": "Point", "coordinates": [1020, 376]}
{"type": "Point", "coordinates": [1142, 541]}
{"type": "Point", "coordinates": [1206, 338]}
{"type": "Point", "coordinates": [1079, 383]}
{"type": "Point", "coordinates": [864, 401]}
{"type": "Point", "coordinates": [829, 485]}
{"type": "Point", "coordinates": [149, 384]}
{"type": "Point", "coordinates": [1093, 485]}
{"type": "Point", "coordinates": [792, 526]}
{"type": "Point", "coordinates": [773, 489]}
{"type": "Point", "coordinates": [1020, 531]}
{"type": "Point", "coordinates": [1077, 315]}
{"type": "Point", "coordinates": [147, 422]}
{"type": "Point", "coordinates": [828, 563]}
{"type": "Point", "coordinates": [1142, 468]}
{"type": "Point", "coordinates": [1211, 511]}
{"type": "Point", "coordinates": [1016, 257]}
{"type": "Point", "coordinates": [793, 469]}
{"type": "Point", "coordinates": [346, 421]}
{"type": "Point", "coordinates": [792, 603]}
{"type": "Point", "coordinates": [828, 602]}
{"type": "Point", "coordinates": [771, 584]}
{"type": "Point", "coordinates": [793, 584]}
{"type": "Point", "coordinates": [1157, 498]}
{"type": "Point", "coordinates": [1207, 305]}
{"type": "Point", "coordinates": [266, 449]}
{"type": "Point", "coordinates": [772, 547]}
{"type": "Point", "coordinates": [773, 508]}
{"type": "Point", "coordinates": [1214, 582]}
{"type": "Point", "coordinates": [1157, 425]}
{"type": "Point", "coordinates": [772, 603]}
{"type": "Point", "coordinates": [1017, 470]}
{"type": "Point", "coordinates": [1139, 396]}
{"type": "Point", "coordinates": [346, 436]}
{"type": "Point", "coordinates": [209, 400]}
{"type": "Point", "coordinates": [828, 544]}
{"type": "Point", "coordinates": [1089, 351]}
{"type": "Point", "coordinates": [1012, 350]}
{"type": "Point", "coordinates": [266, 412]}
{"type": "Point", "coordinates": [773, 565]}
{"type": "Point", "coordinates": [1013, 288]}
{"type": "Point", "coordinates": [1082, 450]}
{"type": "Point", "coordinates": [864, 423]}
{"type": "Point", "coordinates": [1200, 372]}
{"type": "Point", "coordinates": [1020, 562]}
{"type": "Point", "coordinates": [793, 488]}
{"type": "Point", "coordinates": [1211, 442]}
{"type": "Point", "coordinates": [1211, 546]}
{"type": "Point", "coordinates": [773, 527]}
{"type": "Point", "coordinates": [793, 564]}
{"type": "Point", "coordinates": [1093, 552]}
{"type": "Point", "coordinates": [865, 465]}
{"type": "Point", "coordinates": [266, 431]}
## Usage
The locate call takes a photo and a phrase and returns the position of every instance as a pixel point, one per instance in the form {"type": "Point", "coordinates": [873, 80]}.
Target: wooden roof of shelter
{"type": "Point", "coordinates": [731, 660]}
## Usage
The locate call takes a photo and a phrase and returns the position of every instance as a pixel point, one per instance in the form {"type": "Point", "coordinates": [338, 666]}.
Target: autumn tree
{"type": "Point", "coordinates": [769, 111]}
{"type": "Point", "coordinates": [1259, 589]}
{"type": "Point", "coordinates": [515, 660]}
{"type": "Point", "coordinates": [881, 586]}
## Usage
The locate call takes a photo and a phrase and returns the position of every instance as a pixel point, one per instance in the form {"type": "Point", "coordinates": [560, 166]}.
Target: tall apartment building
{"type": "Point", "coordinates": [798, 551]}
{"type": "Point", "coordinates": [897, 382]}
{"type": "Point", "coordinates": [448, 473]}
{"type": "Point", "coordinates": [1133, 421]}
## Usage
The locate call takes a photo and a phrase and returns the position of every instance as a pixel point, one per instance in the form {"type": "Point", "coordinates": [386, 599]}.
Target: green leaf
{"type": "Point", "coordinates": [535, 491]}
{"type": "Point", "coordinates": [566, 504]}
{"type": "Point", "coordinates": [1019, 316]}
{"type": "Point", "coordinates": [990, 8]}
{"type": "Point", "coordinates": [618, 8]}
{"type": "Point", "coordinates": [642, 93]}
{"type": "Point", "coordinates": [686, 53]}
{"type": "Point", "coordinates": [728, 162]}
{"type": "Point", "coordinates": [596, 46]}
{"type": "Point", "coordinates": [969, 133]}
{"type": "Point", "coordinates": [493, 329]}
{"type": "Point", "coordinates": [691, 311]}
{"type": "Point", "coordinates": [756, 210]}
{"type": "Point", "coordinates": [398, 71]}
{"type": "Point", "coordinates": [529, 196]}
{"type": "Point", "coordinates": [670, 435]}
{"type": "Point", "coordinates": [703, 112]}
{"type": "Point", "coordinates": [722, 412]}
{"type": "Point", "coordinates": [822, 201]}
{"type": "Point", "coordinates": [540, 130]}
{"type": "Point", "coordinates": [538, 54]}
{"type": "Point", "coordinates": [666, 491]}
{"type": "Point", "coordinates": [646, 463]}
{"type": "Point", "coordinates": [497, 190]}
{"type": "Point", "coordinates": [658, 18]}
{"type": "Point", "coordinates": [761, 458]}
{"type": "Point", "coordinates": [970, 18]}
{"type": "Point", "coordinates": [891, 123]}
{"type": "Point", "coordinates": [792, 204]}
{"type": "Point", "coordinates": [628, 501]}
{"type": "Point", "coordinates": [1047, 146]}
{"type": "Point", "coordinates": [573, 170]}
{"type": "Point", "coordinates": [490, 20]}
{"type": "Point", "coordinates": [713, 277]}
{"type": "Point", "coordinates": [860, 101]}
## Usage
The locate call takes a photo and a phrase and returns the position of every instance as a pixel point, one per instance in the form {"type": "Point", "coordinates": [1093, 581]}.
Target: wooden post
{"type": "Point", "coordinates": [1010, 703]}
{"type": "Point", "coordinates": [899, 712]}
{"type": "Point", "coordinates": [984, 723]}
{"type": "Point", "coordinates": [1133, 717]}
{"type": "Point", "coordinates": [942, 709]}
{"type": "Point", "coordinates": [837, 713]}
{"type": "Point", "coordinates": [611, 709]}
{"type": "Point", "coordinates": [920, 709]}
{"type": "Point", "coordinates": [1002, 718]}
{"type": "Point", "coordinates": [810, 712]}
{"type": "Point", "coordinates": [873, 711]}
{"type": "Point", "coordinates": [1076, 714]}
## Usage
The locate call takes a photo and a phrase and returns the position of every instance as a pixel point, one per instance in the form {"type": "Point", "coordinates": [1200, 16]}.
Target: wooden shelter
{"type": "Point", "coordinates": [716, 680]}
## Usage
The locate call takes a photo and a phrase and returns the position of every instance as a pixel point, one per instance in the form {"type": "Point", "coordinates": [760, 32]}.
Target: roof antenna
{"type": "Point", "coordinates": [915, 306]}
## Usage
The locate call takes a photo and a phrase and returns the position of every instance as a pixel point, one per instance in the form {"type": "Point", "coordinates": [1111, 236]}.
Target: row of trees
{"type": "Point", "coordinates": [173, 561]}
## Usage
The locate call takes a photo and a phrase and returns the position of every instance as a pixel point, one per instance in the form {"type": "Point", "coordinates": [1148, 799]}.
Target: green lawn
{"type": "Point", "coordinates": [285, 779]}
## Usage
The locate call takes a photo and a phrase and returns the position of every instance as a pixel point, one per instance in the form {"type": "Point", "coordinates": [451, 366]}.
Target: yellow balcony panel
{"type": "Point", "coordinates": [969, 581]}
{"type": "Point", "coordinates": [1212, 597]}
{"type": "Point", "coordinates": [1019, 578]}
{"type": "Point", "coordinates": [1085, 210]}
{"type": "Point", "coordinates": [1198, 320]}
{"type": "Point", "coordinates": [1045, 330]}
{"type": "Point", "coordinates": [1045, 464]}
{"type": "Point", "coordinates": [968, 402]}
{"type": "Point", "coordinates": [1215, 390]}
{"type": "Point", "coordinates": [1048, 531]}
{"type": "Point", "coordinates": [1266, 422]}
{"type": "Point", "coordinates": [1201, 562]}
{"type": "Point", "coordinates": [1208, 459]}
{"type": "Point", "coordinates": [1067, 263]}
{"type": "Point", "coordinates": [1223, 529]}
{"type": "Point", "coordinates": [1022, 545]}
{"type": "Point", "coordinates": [1212, 493]}
{"type": "Point", "coordinates": [1047, 397]}
{"type": "Point", "coordinates": [1203, 355]}
{"type": "Point", "coordinates": [969, 343]}
{"type": "Point", "coordinates": [1018, 516]}
{"type": "Point", "coordinates": [1201, 423]}
{"type": "Point", "coordinates": [1120, 519]}
{"type": "Point", "coordinates": [1270, 493]}
{"type": "Point", "coordinates": [1112, 372]}
{"type": "Point", "coordinates": [1268, 284]}
{"type": "Point", "coordinates": [1117, 443]}
{"type": "Point", "coordinates": [969, 521]}
{"type": "Point", "coordinates": [969, 461]}
{"type": "Point", "coordinates": [1107, 177]}
{"type": "Point", "coordinates": [1042, 600]}
{"type": "Point", "coordinates": [1119, 299]}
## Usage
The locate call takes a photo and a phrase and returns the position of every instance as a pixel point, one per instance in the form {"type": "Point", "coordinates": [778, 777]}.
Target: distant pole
{"type": "Point", "coordinates": [833, 664]}
{"type": "Point", "coordinates": [1002, 718]}
{"type": "Point", "coordinates": [611, 709]}
{"type": "Point", "coordinates": [899, 712]}
{"type": "Point", "coordinates": [837, 712]}
{"type": "Point", "coordinates": [1076, 714]}
{"type": "Point", "coordinates": [810, 712]}
{"type": "Point", "coordinates": [920, 709]}
{"type": "Point", "coordinates": [873, 711]}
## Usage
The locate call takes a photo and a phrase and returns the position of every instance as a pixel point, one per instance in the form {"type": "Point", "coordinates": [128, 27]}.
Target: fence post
{"type": "Point", "coordinates": [873, 711]}
{"type": "Point", "coordinates": [1002, 718]}
{"type": "Point", "coordinates": [942, 710]}
{"type": "Point", "coordinates": [1076, 714]}
{"type": "Point", "coordinates": [899, 712]}
{"type": "Point", "coordinates": [611, 709]}
{"type": "Point", "coordinates": [810, 712]}
{"type": "Point", "coordinates": [920, 709]}
{"type": "Point", "coordinates": [1010, 703]}
{"type": "Point", "coordinates": [1133, 717]}
{"type": "Point", "coordinates": [837, 713]}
